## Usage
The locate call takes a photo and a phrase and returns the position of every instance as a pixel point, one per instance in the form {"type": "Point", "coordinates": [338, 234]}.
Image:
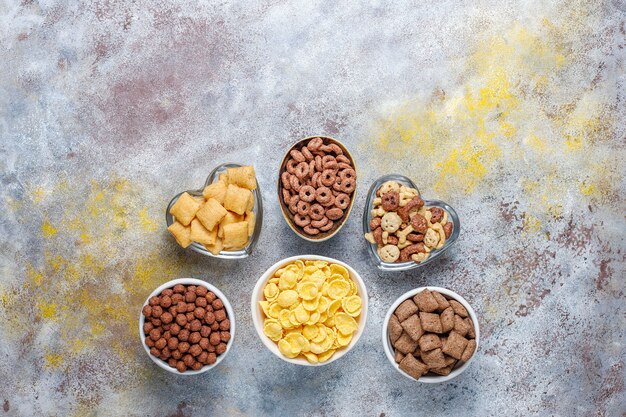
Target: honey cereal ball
{"type": "Point", "coordinates": [190, 296]}
{"type": "Point", "coordinates": [196, 325]}
{"type": "Point", "coordinates": [217, 304]}
{"type": "Point", "coordinates": [195, 350]}
{"type": "Point", "coordinates": [175, 329]}
{"type": "Point", "coordinates": [157, 311]}
{"type": "Point", "coordinates": [201, 291]}
{"type": "Point", "coordinates": [183, 347]}
{"type": "Point", "coordinates": [189, 360]}
{"type": "Point", "coordinates": [215, 339]}
{"type": "Point", "coordinates": [225, 336]}
{"type": "Point", "coordinates": [205, 331]}
{"type": "Point", "coordinates": [147, 327]}
{"type": "Point", "coordinates": [161, 343]}
{"type": "Point", "coordinates": [211, 358]}
{"type": "Point", "coordinates": [183, 336]}
{"type": "Point", "coordinates": [147, 310]}
{"type": "Point", "coordinates": [181, 367]}
{"type": "Point", "coordinates": [172, 362]}
{"type": "Point", "coordinates": [215, 326]}
{"type": "Point", "coordinates": [172, 343]}
{"type": "Point", "coordinates": [191, 307]}
{"type": "Point", "coordinates": [221, 348]}
{"type": "Point", "coordinates": [176, 354]}
{"type": "Point", "coordinates": [199, 313]}
{"type": "Point", "coordinates": [177, 298]}
{"type": "Point", "coordinates": [179, 288]}
{"type": "Point", "coordinates": [166, 318]}
{"type": "Point", "coordinates": [154, 301]}
{"type": "Point", "coordinates": [166, 301]}
{"type": "Point", "coordinates": [149, 342]}
{"type": "Point", "coordinates": [202, 357]}
{"type": "Point", "coordinates": [201, 302]}
{"type": "Point", "coordinates": [194, 337]}
{"type": "Point", "coordinates": [155, 352]}
{"type": "Point", "coordinates": [196, 366]}
{"type": "Point", "coordinates": [210, 296]}
{"type": "Point", "coordinates": [209, 317]}
{"type": "Point", "coordinates": [204, 343]}
{"type": "Point", "coordinates": [220, 314]}
{"type": "Point", "coordinates": [181, 319]}
{"type": "Point", "coordinates": [155, 334]}
{"type": "Point", "coordinates": [155, 322]}
{"type": "Point", "coordinates": [167, 292]}
{"type": "Point", "coordinates": [225, 324]}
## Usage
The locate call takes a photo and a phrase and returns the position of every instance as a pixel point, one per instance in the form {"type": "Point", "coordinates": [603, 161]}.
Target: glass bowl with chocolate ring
{"type": "Point", "coordinates": [316, 187]}
{"type": "Point", "coordinates": [404, 231]}
{"type": "Point", "coordinates": [187, 326]}
{"type": "Point", "coordinates": [224, 218]}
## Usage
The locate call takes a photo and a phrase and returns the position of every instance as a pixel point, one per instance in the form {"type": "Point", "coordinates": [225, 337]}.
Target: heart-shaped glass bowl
{"type": "Point", "coordinates": [258, 212]}
{"type": "Point", "coordinates": [436, 253]}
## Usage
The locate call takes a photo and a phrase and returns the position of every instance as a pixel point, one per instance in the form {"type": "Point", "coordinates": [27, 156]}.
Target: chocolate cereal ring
{"type": "Point", "coordinates": [342, 201]}
{"type": "Point", "coordinates": [311, 166]}
{"type": "Point", "coordinates": [307, 193]}
{"type": "Point", "coordinates": [311, 230]}
{"type": "Point", "coordinates": [302, 170]}
{"type": "Point", "coordinates": [293, 204]}
{"type": "Point", "coordinates": [315, 143]}
{"type": "Point", "coordinates": [303, 207]}
{"type": "Point", "coordinates": [291, 166]}
{"type": "Point", "coordinates": [343, 165]}
{"type": "Point", "coordinates": [329, 162]}
{"type": "Point", "coordinates": [343, 159]}
{"type": "Point", "coordinates": [326, 149]}
{"type": "Point", "coordinates": [331, 202]}
{"type": "Point", "coordinates": [306, 153]}
{"type": "Point", "coordinates": [284, 178]}
{"type": "Point", "coordinates": [315, 179]}
{"type": "Point", "coordinates": [297, 155]}
{"type": "Point", "coordinates": [328, 226]}
{"type": "Point", "coordinates": [286, 196]}
{"type": "Point", "coordinates": [347, 174]}
{"type": "Point", "coordinates": [336, 149]}
{"type": "Point", "coordinates": [295, 183]}
{"type": "Point", "coordinates": [318, 163]}
{"type": "Point", "coordinates": [316, 211]}
{"type": "Point", "coordinates": [334, 213]}
{"type": "Point", "coordinates": [328, 177]}
{"type": "Point", "coordinates": [323, 195]}
{"type": "Point", "coordinates": [347, 185]}
{"type": "Point", "coordinates": [318, 224]}
{"type": "Point", "coordinates": [301, 220]}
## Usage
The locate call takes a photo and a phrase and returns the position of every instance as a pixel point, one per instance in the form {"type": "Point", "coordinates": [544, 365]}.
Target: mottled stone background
{"type": "Point", "coordinates": [513, 112]}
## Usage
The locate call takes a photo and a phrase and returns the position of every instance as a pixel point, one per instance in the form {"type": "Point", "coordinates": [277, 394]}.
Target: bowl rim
{"type": "Point", "coordinates": [188, 281]}
{"type": "Point", "coordinates": [257, 210]}
{"type": "Point", "coordinates": [436, 253]}
{"type": "Point", "coordinates": [257, 314]}
{"type": "Point", "coordinates": [283, 208]}
{"type": "Point", "coordinates": [387, 344]}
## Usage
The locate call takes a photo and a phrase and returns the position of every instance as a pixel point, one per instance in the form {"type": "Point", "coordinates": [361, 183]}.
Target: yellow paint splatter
{"type": "Point", "coordinates": [52, 360]}
{"type": "Point", "coordinates": [530, 224]}
{"type": "Point", "coordinates": [47, 310]}
{"type": "Point", "coordinates": [146, 222]}
{"type": "Point", "coordinates": [47, 229]}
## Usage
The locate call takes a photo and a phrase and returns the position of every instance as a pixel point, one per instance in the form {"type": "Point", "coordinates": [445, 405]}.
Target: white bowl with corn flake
{"type": "Point", "coordinates": [346, 299]}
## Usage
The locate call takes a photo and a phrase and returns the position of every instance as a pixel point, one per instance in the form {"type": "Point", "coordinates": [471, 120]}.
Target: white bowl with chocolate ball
{"type": "Point", "coordinates": [187, 326]}
{"type": "Point", "coordinates": [430, 334]}
{"type": "Point", "coordinates": [316, 187]}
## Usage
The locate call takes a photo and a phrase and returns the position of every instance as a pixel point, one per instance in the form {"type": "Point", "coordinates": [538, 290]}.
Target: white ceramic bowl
{"type": "Point", "coordinates": [227, 306]}
{"type": "Point", "coordinates": [428, 379]}
{"type": "Point", "coordinates": [257, 313]}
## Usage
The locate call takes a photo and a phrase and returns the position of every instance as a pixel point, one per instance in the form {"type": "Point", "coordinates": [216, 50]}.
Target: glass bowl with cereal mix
{"type": "Point", "coordinates": [434, 253]}
{"type": "Point", "coordinates": [257, 210]}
